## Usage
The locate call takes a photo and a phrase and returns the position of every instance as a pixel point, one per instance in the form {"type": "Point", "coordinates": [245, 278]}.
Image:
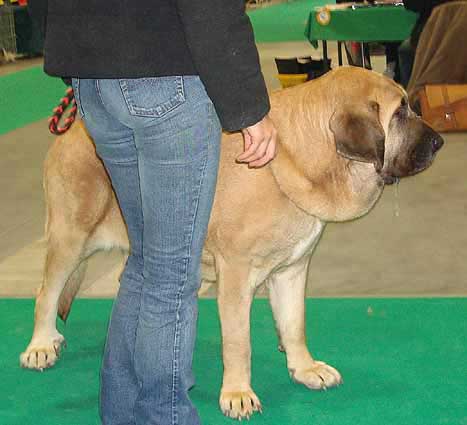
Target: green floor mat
{"type": "Point", "coordinates": [403, 363]}
{"type": "Point", "coordinates": [27, 96]}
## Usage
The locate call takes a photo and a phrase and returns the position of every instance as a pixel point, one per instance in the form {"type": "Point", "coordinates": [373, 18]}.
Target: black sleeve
{"type": "Point", "coordinates": [220, 38]}
{"type": "Point", "coordinates": [38, 11]}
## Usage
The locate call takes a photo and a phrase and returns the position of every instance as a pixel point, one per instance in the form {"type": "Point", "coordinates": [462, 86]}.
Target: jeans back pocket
{"type": "Point", "coordinates": [152, 97]}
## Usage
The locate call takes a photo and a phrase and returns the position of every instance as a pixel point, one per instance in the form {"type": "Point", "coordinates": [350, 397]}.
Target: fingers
{"type": "Point", "coordinates": [254, 152]}
{"type": "Point", "coordinates": [259, 143]}
{"type": "Point", "coordinates": [248, 149]}
{"type": "Point", "coordinates": [267, 157]}
{"type": "Point", "coordinates": [247, 142]}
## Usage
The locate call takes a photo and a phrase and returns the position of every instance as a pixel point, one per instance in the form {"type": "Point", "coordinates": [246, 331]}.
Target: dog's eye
{"type": "Point", "coordinates": [374, 106]}
{"type": "Point", "coordinates": [403, 110]}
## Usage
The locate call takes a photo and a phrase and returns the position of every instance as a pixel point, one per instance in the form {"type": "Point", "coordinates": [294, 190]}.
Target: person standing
{"type": "Point", "coordinates": [155, 81]}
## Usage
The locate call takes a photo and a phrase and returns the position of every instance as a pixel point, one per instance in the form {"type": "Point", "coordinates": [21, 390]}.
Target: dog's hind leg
{"type": "Point", "coordinates": [287, 297]}
{"type": "Point", "coordinates": [63, 262]}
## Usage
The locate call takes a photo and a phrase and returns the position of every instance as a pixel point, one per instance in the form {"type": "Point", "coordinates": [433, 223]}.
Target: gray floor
{"type": "Point", "coordinates": [411, 244]}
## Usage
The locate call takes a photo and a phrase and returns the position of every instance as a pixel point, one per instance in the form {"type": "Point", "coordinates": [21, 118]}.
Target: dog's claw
{"type": "Point", "coordinates": [42, 352]}
{"type": "Point", "coordinates": [317, 376]}
{"type": "Point", "coordinates": [235, 404]}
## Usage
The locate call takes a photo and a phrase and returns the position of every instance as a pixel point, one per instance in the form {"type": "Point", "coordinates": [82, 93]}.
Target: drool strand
{"type": "Point", "coordinates": [397, 198]}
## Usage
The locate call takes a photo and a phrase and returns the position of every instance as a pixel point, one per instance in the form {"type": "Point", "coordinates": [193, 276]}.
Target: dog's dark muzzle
{"type": "Point", "coordinates": [419, 157]}
{"type": "Point", "coordinates": [424, 152]}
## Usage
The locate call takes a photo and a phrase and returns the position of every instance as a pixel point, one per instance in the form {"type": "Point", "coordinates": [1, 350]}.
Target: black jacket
{"type": "Point", "coordinates": [151, 38]}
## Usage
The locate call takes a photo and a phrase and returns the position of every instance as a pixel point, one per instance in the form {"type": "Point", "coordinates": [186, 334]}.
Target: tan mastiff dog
{"type": "Point", "coordinates": [342, 137]}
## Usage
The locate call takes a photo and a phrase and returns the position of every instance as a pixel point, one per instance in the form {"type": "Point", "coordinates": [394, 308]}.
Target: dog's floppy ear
{"type": "Point", "coordinates": [358, 133]}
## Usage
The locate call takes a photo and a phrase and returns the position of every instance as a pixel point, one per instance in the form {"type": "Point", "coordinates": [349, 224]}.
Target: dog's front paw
{"type": "Point", "coordinates": [318, 376]}
{"type": "Point", "coordinates": [239, 404]}
{"type": "Point", "coordinates": [42, 352]}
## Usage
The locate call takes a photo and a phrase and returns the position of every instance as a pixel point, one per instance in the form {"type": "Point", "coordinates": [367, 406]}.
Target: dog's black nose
{"type": "Point", "coordinates": [437, 142]}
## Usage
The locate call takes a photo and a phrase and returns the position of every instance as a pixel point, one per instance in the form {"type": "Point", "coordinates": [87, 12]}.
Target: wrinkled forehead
{"type": "Point", "coordinates": [387, 90]}
{"type": "Point", "coordinates": [375, 87]}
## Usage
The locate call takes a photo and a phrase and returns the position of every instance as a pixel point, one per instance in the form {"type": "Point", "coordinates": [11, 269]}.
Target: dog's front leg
{"type": "Point", "coordinates": [235, 294]}
{"type": "Point", "coordinates": [287, 296]}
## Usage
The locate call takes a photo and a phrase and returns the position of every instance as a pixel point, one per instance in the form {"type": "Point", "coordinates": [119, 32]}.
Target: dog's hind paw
{"type": "Point", "coordinates": [319, 376]}
{"type": "Point", "coordinates": [239, 404]}
{"type": "Point", "coordinates": [42, 353]}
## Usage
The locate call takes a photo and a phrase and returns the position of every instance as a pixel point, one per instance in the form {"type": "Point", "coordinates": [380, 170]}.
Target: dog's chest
{"type": "Point", "coordinates": [303, 241]}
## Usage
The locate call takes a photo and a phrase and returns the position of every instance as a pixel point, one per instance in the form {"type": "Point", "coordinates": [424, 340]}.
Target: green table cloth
{"type": "Point", "coordinates": [382, 23]}
{"type": "Point", "coordinates": [283, 22]}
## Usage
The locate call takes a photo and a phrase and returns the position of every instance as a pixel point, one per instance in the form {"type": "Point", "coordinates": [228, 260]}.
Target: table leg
{"type": "Point", "coordinates": [339, 52]}
{"type": "Point", "coordinates": [362, 47]}
{"type": "Point", "coordinates": [325, 55]}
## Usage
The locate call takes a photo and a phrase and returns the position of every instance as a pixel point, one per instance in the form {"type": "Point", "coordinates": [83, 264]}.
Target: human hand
{"type": "Point", "coordinates": [259, 143]}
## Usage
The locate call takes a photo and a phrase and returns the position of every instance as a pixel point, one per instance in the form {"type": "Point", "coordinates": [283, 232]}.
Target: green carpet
{"type": "Point", "coordinates": [403, 362]}
{"type": "Point", "coordinates": [283, 22]}
{"type": "Point", "coordinates": [27, 96]}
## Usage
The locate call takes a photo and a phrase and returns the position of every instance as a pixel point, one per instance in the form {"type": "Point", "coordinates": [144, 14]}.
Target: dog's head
{"type": "Point", "coordinates": [378, 126]}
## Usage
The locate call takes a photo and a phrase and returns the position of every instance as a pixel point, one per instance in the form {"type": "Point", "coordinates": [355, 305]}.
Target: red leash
{"type": "Point", "coordinates": [54, 120]}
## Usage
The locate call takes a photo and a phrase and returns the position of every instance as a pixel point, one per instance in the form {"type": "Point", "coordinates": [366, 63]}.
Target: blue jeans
{"type": "Point", "coordinates": [159, 139]}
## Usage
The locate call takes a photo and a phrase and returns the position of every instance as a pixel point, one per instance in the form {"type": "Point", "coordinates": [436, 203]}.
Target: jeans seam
{"type": "Point", "coordinates": [180, 294]}
{"type": "Point", "coordinates": [76, 91]}
{"type": "Point", "coordinates": [98, 91]}
{"type": "Point", "coordinates": [124, 89]}
{"type": "Point", "coordinates": [140, 301]}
